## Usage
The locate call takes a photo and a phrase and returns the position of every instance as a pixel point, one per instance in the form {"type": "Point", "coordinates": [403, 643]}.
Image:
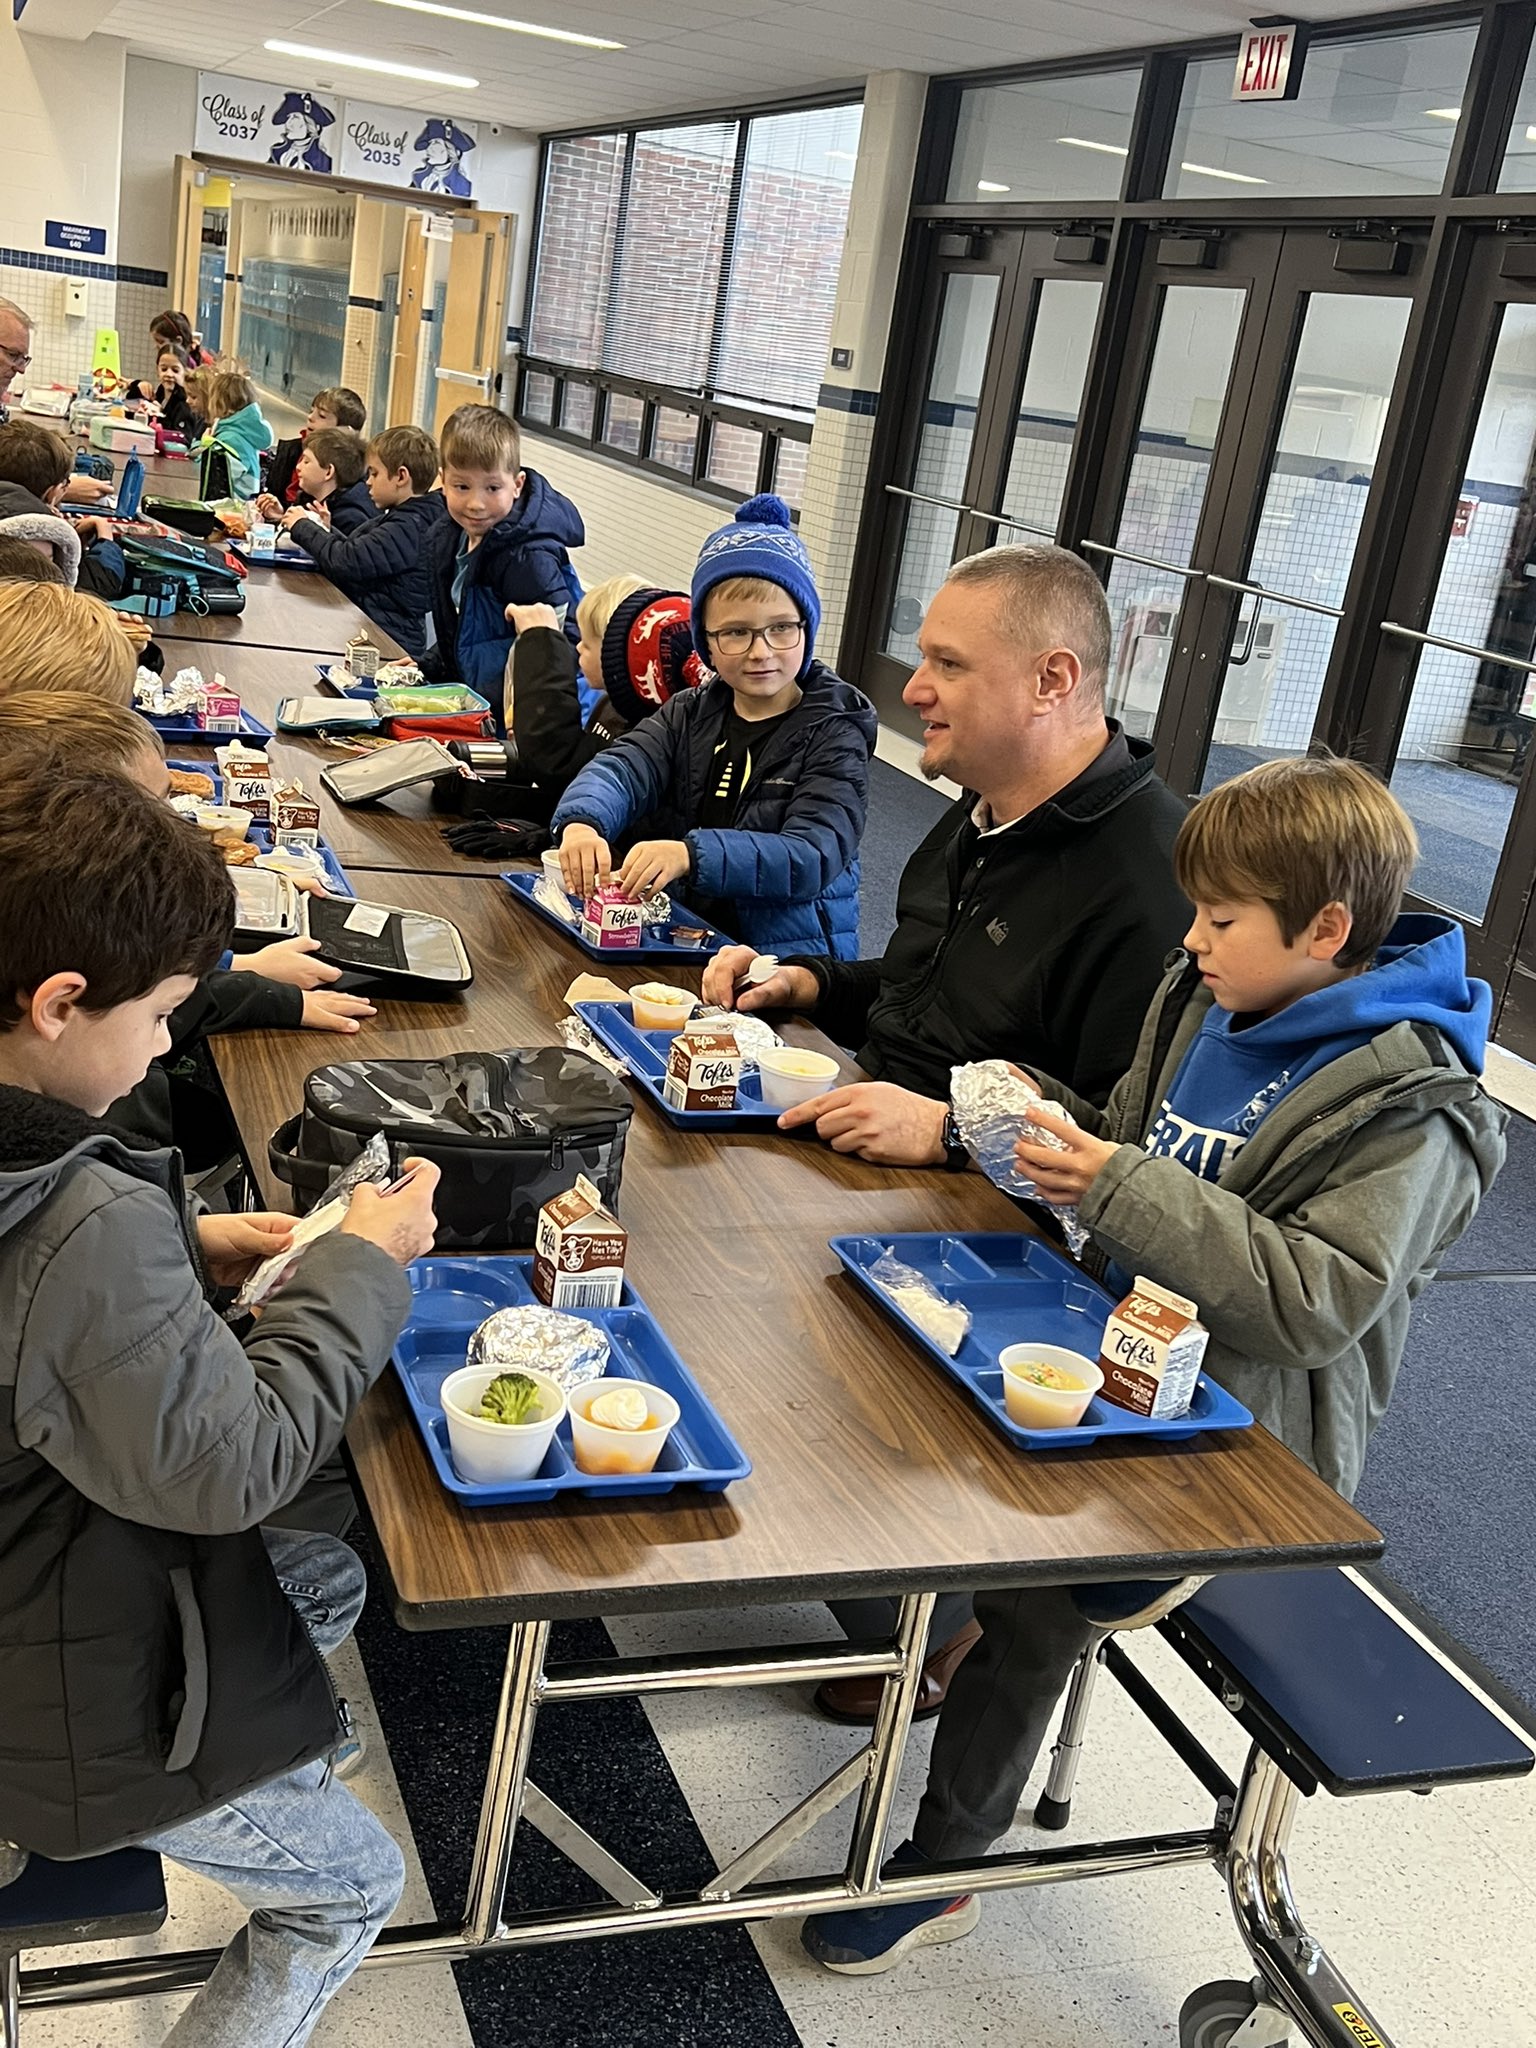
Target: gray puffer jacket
{"type": "Point", "coordinates": [1307, 1257]}
{"type": "Point", "coordinates": [150, 1667]}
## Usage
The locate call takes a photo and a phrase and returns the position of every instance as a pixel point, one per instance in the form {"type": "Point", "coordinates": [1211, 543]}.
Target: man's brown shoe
{"type": "Point", "coordinates": [856, 1699]}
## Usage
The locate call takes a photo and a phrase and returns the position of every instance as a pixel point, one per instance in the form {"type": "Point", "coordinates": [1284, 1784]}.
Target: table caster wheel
{"type": "Point", "coordinates": [1209, 2017]}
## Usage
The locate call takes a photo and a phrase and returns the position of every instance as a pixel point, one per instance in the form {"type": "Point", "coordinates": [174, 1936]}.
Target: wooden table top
{"type": "Point", "coordinates": [870, 1469]}
{"type": "Point", "coordinates": [403, 833]}
{"type": "Point", "coordinates": [284, 608]}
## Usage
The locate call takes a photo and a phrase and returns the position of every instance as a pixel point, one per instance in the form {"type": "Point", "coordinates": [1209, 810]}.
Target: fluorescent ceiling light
{"type": "Point", "coordinates": [986, 185]}
{"type": "Point", "coordinates": [1082, 142]}
{"type": "Point", "coordinates": [518, 28]}
{"type": "Point", "coordinates": [372, 64]}
{"type": "Point", "coordinates": [1530, 134]}
{"type": "Point", "coordinates": [1233, 177]}
{"type": "Point", "coordinates": [1442, 113]}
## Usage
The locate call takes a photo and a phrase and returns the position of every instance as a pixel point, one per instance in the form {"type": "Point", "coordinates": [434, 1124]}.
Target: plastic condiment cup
{"type": "Point", "coordinates": [491, 1453]}
{"type": "Point", "coordinates": [1032, 1406]}
{"type": "Point", "coordinates": [553, 873]}
{"type": "Point", "coordinates": [655, 1013]}
{"type": "Point", "coordinates": [603, 1452]}
{"type": "Point", "coordinates": [788, 1074]}
{"type": "Point", "coordinates": [223, 818]}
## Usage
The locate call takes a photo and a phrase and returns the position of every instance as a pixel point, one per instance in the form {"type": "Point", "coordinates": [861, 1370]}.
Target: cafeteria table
{"type": "Point", "coordinates": [402, 832]}
{"type": "Point", "coordinates": [290, 608]}
{"type": "Point", "coordinates": [869, 1472]}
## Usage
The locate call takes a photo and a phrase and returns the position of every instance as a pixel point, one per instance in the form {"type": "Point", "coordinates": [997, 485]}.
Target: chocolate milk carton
{"type": "Point", "coordinates": [578, 1251]}
{"type": "Point", "coordinates": [295, 816]}
{"type": "Point", "coordinates": [248, 782]}
{"type": "Point", "coordinates": [612, 920]}
{"type": "Point", "coordinates": [703, 1070]}
{"type": "Point", "coordinates": [1153, 1345]}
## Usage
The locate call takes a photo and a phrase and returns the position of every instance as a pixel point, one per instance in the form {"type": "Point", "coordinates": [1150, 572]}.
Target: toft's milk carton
{"type": "Point", "coordinates": [295, 816]}
{"type": "Point", "coordinates": [1153, 1345]}
{"type": "Point", "coordinates": [703, 1070]}
{"type": "Point", "coordinates": [612, 920]}
{"type": "Point", "coordinates": [578, 1251]}
{"type": "Point", "coordinates": [248, 781]}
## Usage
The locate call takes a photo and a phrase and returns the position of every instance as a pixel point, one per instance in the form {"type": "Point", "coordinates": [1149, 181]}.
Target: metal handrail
{"type": "Point", "coordinates": [1303, 604]}
{"type": "Point", "coordinates": [1458, 647]}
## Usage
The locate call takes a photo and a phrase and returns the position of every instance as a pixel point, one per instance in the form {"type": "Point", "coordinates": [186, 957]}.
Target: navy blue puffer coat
{"type": "Point", "coordinates": [788, 866]}
{"type": "Point", "coordinates": [382, 566]}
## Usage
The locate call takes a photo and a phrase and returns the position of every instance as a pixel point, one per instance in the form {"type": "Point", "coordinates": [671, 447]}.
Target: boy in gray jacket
{"type": "Point", "coordinates": [160, 1652]}
{"type": "Point", "coordinates": [1301, 1138]}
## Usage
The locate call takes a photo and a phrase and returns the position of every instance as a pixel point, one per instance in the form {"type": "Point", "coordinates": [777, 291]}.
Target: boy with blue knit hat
{"type": "Point", "coordinates": [756, 785]}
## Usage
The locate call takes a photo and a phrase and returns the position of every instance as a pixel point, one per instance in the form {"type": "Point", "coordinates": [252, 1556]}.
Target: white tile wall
{"type": "Point", "coordinates": [835, 484]}
{"type": "Point", "coordinates": [61, 348]}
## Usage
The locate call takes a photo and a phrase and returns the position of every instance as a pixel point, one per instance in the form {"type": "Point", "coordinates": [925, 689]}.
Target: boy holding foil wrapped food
{"type": "Point", "coordinates": [1300, 1139]}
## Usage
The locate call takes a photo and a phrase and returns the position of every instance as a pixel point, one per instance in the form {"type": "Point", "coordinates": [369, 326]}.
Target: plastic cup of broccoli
{"type": "Point", "coordinates": [500, 1423]}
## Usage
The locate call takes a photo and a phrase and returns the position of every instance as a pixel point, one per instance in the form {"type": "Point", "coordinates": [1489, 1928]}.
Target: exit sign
{"type": "Point", "coordinates": [1269, 64]}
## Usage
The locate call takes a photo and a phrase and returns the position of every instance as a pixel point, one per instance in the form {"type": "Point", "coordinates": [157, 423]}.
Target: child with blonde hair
{"type": "Point", "coordinates": [57, 639]}
{"type": "Point", "coordinates": [238, 434]}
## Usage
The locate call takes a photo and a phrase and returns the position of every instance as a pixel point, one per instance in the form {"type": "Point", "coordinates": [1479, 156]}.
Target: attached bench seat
{"type": "Point", "coordinates": [55, 1905]}
{"type": "Point", "coordinates": [1336, 1689]}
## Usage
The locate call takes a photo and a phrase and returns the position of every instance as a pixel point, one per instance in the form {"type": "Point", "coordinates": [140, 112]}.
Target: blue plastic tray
{"type": "Point", "coordinates": [1021, 1290]}
{"type": "Point", "coordinates": [178, 726]}
{"type": "Point", "coordinates": [323, 669]}
{"type": "Point", "coordinates": [453, 1296]}
{"type": "Point", "coordinates": [656, 942]}
{"type": "Point", "coordinates": [645, 1053]}
{"type": "Point", "coordinates": [336, 875]}
{"type": "Point", "coordinates": [285, 558]}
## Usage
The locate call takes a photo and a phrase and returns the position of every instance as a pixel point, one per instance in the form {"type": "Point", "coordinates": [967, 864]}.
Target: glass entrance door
{"type": "Point", "coordinates": [1451, 703]}
{"type": "Point", "coordinates": [1004, 346]}
{"type": "Point", "coordinates": [1247, 445]}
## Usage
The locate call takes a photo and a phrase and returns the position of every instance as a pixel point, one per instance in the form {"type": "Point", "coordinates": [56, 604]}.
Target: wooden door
{"type": "Point", "coordinates": [474, 338]}
{"type": "Point", "coordinates": [405, 357]}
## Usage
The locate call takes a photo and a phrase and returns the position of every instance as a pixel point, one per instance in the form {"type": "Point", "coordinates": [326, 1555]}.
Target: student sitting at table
{"type": "Point", "coordinates": [755, 786]}
{"type": "Point", "coordinates": [237, 437]}
{"type": "Point", "coordinates": [281, 987]}
{"type": "Point", "coordinates": [161, 1651]}
{"type": "Point", "coordinates": [52, 639]}
{"type": "Point", "coordinates": [506, 542]}
{"type": "Point", "coordinates": [35, 468]}
{"type": "Point", "coordinates": [382, 563]}
{"type": "Point", "coordinates": [22, 562]}
{"type": "Point", "coordinates": [1301, 1138]}
{"type": "Point", "coordinates": [636, 652]}
{"type": "Point", "coordinates": [336, 406]}
{"type": "Point", "coordinates": [330, 475]}
{"type": "Point", "coordinates": [178, 418]}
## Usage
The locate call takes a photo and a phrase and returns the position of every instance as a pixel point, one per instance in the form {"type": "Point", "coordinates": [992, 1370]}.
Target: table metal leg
{"type": "Point", "coordinates": [1053, 1809]}
{"type": "Point", "coordinates": [893, 1719]}
{"type": "Point", "coordinates": [502, 1804]}
{"type": "Point", "coordinates": [1296, 1967]}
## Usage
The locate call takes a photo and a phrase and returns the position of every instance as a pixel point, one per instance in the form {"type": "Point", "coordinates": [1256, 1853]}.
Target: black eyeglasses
{"type": "Point", "coordinates": [781, 635]}
{"type": "Point", "coordinates": [14, 357]}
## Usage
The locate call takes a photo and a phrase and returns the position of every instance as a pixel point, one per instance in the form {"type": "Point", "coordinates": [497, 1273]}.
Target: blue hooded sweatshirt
{"type": "Point", "coordinates": [1235, 1072]}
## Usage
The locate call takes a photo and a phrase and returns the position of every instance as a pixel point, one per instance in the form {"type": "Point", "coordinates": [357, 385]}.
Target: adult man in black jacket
{"type": "Point", "coordinates": [1033, 921]}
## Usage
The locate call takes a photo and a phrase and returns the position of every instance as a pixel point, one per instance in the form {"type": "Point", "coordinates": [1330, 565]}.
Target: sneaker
{"type": "Point", "coordinates": [1133, 1603]}
{"type": "Point", "coordinates": [866, 1940]}
{"type": "Point", "coordinates": [347, 1757]}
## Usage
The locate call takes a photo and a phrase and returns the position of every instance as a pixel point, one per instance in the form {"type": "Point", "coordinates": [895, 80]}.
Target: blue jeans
{"type": "Point", "coordinates": [320, 1875]}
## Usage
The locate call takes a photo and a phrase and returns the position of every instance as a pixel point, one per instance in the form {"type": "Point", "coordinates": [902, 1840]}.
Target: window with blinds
{"type": "Point", "coordinates": [698, 261]}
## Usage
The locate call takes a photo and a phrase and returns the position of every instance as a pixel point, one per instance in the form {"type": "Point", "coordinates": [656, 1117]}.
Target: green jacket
{"type": "Point", "coordinates": [1331, 1220]}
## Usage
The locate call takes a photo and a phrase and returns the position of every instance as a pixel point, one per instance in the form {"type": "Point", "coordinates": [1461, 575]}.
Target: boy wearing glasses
{"type": "Point", "coordinates": [751, 791]}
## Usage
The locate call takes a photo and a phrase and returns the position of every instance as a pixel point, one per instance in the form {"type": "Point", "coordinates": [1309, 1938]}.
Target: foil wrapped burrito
{"type": "Point", "coordinates": [753, 1035]}
{"type": "Point", "coordinates": [992, 1107]}
{"type": "Point", "coordinates": [165, 696]}
{"type": "Point", "coordinates": [568, 1348]}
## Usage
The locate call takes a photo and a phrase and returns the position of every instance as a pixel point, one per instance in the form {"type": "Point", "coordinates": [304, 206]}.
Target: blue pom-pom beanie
{"type": "Point", "coordinates": [760, 541]}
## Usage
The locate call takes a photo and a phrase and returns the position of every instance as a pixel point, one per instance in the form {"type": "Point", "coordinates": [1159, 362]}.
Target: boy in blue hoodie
{"type": "Point", "coordinates": [506, 541]}
{"type": "Point", "coordinates": [755, 784]}
{"type": "Point", "coordinates": [1301, 1138]}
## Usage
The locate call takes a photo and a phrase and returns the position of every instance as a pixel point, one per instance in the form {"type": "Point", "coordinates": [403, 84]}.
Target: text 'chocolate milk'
{"type": "Point", "coordinates": [1153, 1345]}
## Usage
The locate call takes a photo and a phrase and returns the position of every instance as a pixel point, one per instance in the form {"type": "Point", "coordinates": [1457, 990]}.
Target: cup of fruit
{"type": "Point", "coordinates": [620, 1425]}
{"type": "Point", "coordinates": [500, 1423]}
{"type": "Point", "coordinates": [1046, 1386]}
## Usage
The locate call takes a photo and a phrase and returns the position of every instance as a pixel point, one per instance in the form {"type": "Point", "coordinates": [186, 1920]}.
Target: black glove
{"type": "Point", "coordinates": [483, 837]}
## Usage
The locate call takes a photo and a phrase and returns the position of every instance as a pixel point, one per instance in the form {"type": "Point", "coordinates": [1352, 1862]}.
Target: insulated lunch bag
{"type": "Point", "coordinates": [201, 578]}
{"type": "Point", "coordinates": [508, 1129]}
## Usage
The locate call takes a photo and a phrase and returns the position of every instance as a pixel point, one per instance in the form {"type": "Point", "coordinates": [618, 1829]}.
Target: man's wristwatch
{"type": "Point", "coordinates": [956, 1158]}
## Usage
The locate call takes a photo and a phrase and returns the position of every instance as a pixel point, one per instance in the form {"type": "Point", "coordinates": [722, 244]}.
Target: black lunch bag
{"type": "Point", "coordinates": [508, 1129]}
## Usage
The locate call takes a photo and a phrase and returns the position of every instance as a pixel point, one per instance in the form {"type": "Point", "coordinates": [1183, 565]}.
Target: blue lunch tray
{"type": "Point", "coordinates": [645, 1054]}
{"type": "Point", "coordinates": [1020, 1290]}
{"type": "Point", "coordinates": [177, 725]}
{"type": "Point", "coordinates": [522, 882]}
{"type": "Point", "coordinates": [262, 836]}
{"type": "Point", "coordinates": [454, 1296]}
{"type": "Point", "coordinates": [323, 669]}
{"type": "Point", "coordinates": [284, 558]}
